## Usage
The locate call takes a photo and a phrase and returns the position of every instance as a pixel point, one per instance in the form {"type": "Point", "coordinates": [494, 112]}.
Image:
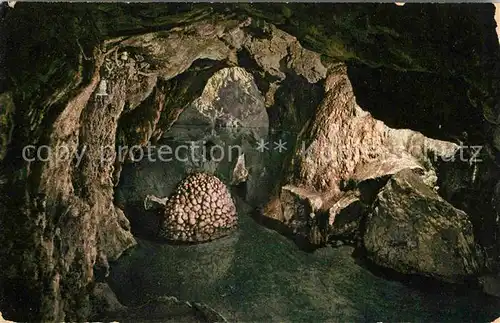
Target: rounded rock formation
{"type": "Point", "coordinates": [200, 209]}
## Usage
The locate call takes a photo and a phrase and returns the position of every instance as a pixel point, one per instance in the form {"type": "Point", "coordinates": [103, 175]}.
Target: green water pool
{"type": "Point", "coordinates": [257, 275]}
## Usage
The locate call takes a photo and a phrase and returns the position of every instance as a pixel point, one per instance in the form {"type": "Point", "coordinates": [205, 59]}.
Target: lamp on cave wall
{"type": "Point", "coordinates": [102, 90]}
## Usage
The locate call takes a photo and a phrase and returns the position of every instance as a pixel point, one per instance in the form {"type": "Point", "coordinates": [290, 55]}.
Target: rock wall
{"type": "Point", "coordinates": [413, 230]}
{"type": "Point", "coordinates": [67, 214]}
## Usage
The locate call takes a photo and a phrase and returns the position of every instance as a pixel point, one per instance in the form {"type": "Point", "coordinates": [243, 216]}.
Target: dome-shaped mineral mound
{"type": "Point", "coordinates": [200, 209]}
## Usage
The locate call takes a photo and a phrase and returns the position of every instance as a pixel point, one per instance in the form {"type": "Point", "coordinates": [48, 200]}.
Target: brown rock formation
{"type": "Point", "coordinates": [413, 230]}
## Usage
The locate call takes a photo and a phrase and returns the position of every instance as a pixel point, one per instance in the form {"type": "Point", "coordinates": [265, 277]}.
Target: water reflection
{"type": "Point", "coordinates": [258, 275]}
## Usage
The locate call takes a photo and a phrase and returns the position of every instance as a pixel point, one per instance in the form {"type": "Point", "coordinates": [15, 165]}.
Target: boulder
{"type": "Point", "coordinates": [414, 231]}
{"type": "Point", "coordinates": [338, 150]}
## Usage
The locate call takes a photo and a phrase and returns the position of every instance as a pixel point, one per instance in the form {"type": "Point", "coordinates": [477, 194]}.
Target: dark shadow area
{"type": "Point", "coordinates": [471, 187]}
{"type": "Point", "coordinates": [436, 105]}
{"type": "Point", "coordinates": [301, 241]}
{"type": "Point", "coordinates": [439, 107]}
{"type": "Point", "coordinates": [3, 33]}
{"type": "Point", "coordinates": [465, 287]}
{"type": "Point", "coordinates": [370, 188]}
{"type": "Point", "coordinates": [18, 303]}
{"type": "Point", "coordinates": [295, 100]}
{"type": "Point", "coordinates": [144, 224]}
{"type": "Point", "coordinates": [179, 92]}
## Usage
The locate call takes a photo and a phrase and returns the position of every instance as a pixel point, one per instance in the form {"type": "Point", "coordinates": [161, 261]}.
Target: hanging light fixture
{"type": "Point", "coordinates": [102, 91]}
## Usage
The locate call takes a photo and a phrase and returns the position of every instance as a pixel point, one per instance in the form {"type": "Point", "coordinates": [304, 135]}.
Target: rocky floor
{"type": "Point", "coordinates": [259, 275]}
